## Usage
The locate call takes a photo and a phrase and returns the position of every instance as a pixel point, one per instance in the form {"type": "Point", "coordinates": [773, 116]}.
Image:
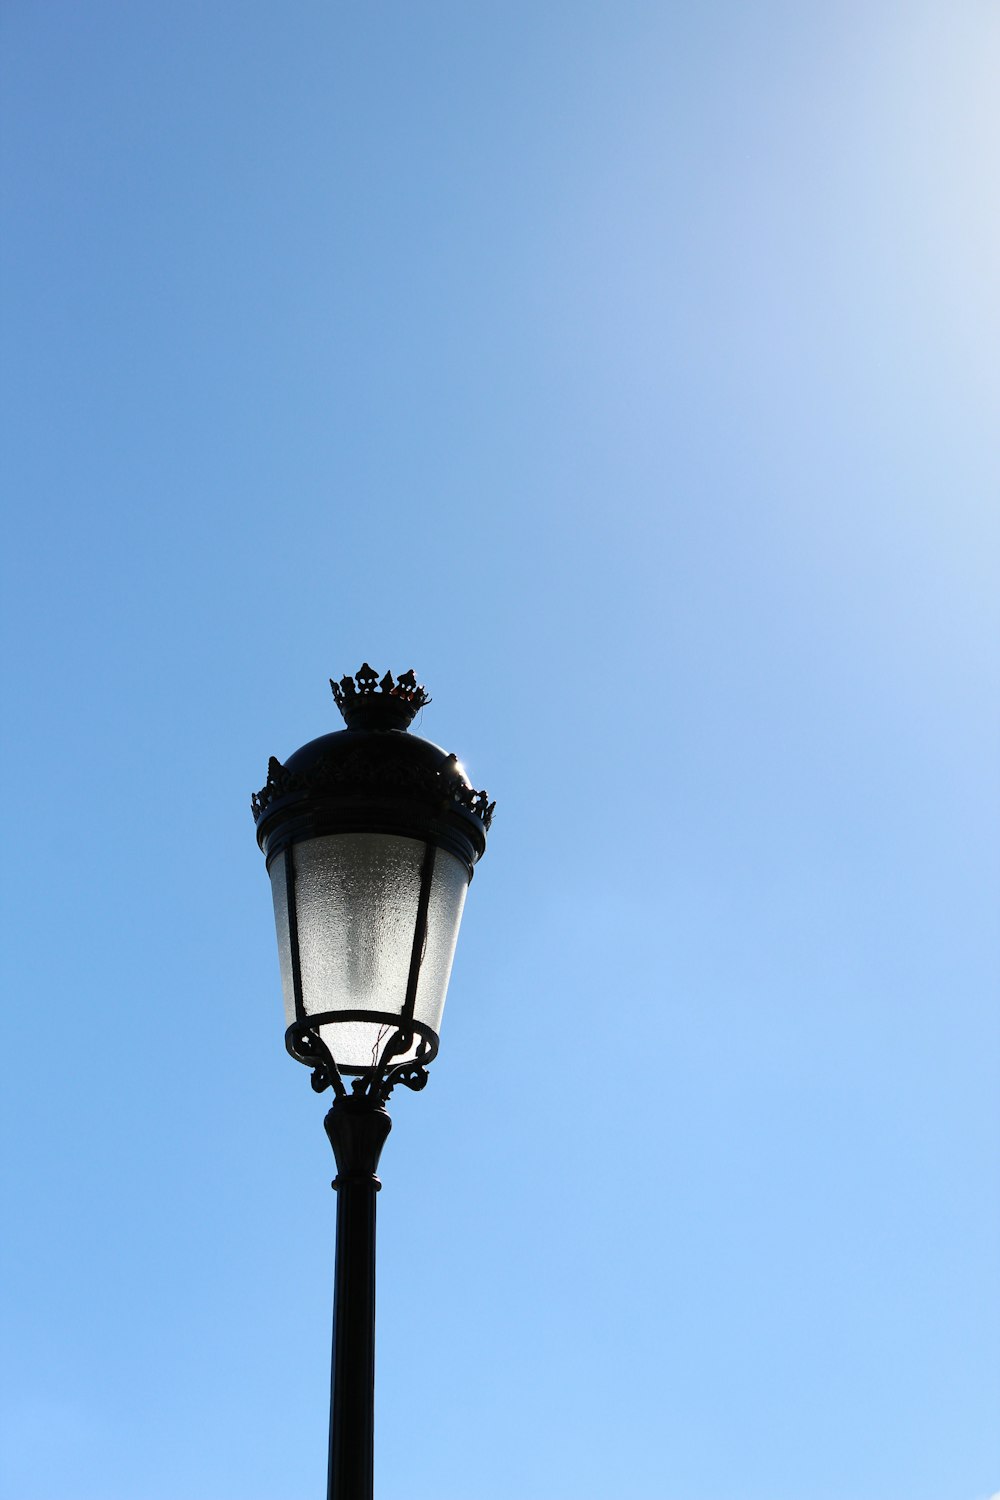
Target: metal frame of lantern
{"type": "Point", "coordinates": [370, 778]}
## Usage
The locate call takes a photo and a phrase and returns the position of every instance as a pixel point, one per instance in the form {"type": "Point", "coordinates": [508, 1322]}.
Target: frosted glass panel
{"type": "Point", "coordinates": [280, 898]}
{"type": "Point", "coordinates": [356, 903]}
{"type": "Point", "coordinates": [451, 882]}
{"type": "Point", "coordinates": [360, 1044]}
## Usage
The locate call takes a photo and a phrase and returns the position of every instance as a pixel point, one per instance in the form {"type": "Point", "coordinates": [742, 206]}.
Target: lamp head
{"type": "Point", "coordinates": [370, 835]}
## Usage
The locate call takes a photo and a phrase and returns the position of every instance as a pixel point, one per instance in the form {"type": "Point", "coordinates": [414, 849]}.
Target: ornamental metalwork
{"type": "Point", "coordinates": [365, 684]}
{"type": "Point", "coordinates": [332, 773]}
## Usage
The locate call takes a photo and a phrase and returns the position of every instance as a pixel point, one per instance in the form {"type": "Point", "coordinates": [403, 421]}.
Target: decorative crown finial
{"type": "Point", "coordinates": [367, 703]}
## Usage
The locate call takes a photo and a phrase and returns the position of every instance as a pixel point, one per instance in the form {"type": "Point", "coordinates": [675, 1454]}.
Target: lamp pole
{"type": "Point", "coordinates": [357, 1134]}
{"type": "Point", "coordinates": [371, 836]}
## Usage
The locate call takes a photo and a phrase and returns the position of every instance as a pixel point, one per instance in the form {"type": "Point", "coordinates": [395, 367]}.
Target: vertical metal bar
{"type": "Point", "coordinates": [419, 930]}
{"type": "Point", "coordinates": [293, 932]}
{"type": "Point", "coordinates": [357, 1132]}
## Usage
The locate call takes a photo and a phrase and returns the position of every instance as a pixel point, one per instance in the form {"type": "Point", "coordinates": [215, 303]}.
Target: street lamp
{"type": "Point", "coordinates": [371, 836]}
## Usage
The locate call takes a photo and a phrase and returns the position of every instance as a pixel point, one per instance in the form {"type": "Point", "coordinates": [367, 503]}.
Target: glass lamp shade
{"type": "Point", "coordinates": [367, 925]}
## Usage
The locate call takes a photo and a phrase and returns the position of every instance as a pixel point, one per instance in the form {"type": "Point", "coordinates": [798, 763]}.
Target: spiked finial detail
{"type": "Point", "coordinates": [367, 703]}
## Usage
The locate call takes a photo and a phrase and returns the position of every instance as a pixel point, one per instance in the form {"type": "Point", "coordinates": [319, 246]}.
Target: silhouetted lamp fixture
{"type": "Point", "coordinates": [371, 835]}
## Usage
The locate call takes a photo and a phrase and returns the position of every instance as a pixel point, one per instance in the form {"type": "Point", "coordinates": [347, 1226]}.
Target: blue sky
{"type": "Point", "coordinates": [631, 372]}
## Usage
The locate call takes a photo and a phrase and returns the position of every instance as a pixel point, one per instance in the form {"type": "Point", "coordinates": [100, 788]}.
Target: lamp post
{"type": "Point", "coordinates": [371, 836]}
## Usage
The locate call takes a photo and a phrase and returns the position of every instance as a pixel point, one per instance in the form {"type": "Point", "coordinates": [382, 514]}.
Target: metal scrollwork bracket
{"type": "Point", "coordinates": [375, 1083]}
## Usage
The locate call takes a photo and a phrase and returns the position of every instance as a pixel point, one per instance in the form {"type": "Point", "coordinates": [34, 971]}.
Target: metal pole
{"type": "Point", "coordinates": [357, 1132]}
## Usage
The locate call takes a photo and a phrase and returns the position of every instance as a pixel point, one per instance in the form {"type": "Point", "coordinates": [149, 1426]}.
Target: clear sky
{"type": "Point", "coordinates": [631, 371]}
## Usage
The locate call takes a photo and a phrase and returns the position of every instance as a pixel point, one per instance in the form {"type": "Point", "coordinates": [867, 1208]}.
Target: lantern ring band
{"type": "Point", "coordinates": [303, 1042]}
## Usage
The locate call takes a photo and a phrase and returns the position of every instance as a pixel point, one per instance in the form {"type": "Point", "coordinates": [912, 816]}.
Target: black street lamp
{"type": "Point", "coordinates": [371, 836]}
